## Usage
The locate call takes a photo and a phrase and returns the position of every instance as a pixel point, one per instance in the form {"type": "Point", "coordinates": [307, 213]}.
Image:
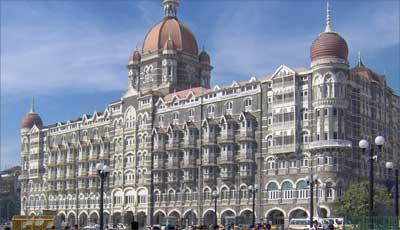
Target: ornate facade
{"type": "Point", "coordinates": [171, 139]}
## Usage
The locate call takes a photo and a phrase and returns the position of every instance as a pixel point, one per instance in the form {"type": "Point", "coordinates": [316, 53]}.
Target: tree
{"type": "Point", "coordinates": [355, 201]}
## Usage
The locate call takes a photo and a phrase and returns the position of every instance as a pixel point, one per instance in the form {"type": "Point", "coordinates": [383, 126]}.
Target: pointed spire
{"type": "Point", "coordinates": [359, 64]}
{"type": "Point", "coordinates": [32, 110]}
{"type": "Point", "coordinates": [328, 18]}
{"type": "Point", "coordinates": [170, 7]}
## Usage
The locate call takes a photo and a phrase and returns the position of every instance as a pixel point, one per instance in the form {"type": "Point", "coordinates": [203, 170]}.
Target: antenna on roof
{"type": "Point", "coordinates": [360, 64]}
{"type": "Point", "coordinates": [32, 110]}
{"type": "Point", "coordinates": [328, 18]}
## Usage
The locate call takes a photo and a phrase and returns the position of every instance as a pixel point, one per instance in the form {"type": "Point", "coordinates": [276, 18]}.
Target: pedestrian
{"type": "Point", "coordinates": [331, 227]}
{"type": "Point", "coordinates": [268, 226]}
{"type": "Point", "coordinates": [315, 225]}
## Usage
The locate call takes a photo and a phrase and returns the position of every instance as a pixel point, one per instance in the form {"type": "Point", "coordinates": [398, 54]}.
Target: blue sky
{"type": "Point", "coordinates": [71, 55]}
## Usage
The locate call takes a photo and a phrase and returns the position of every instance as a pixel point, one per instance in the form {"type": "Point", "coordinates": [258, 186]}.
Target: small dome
{"type": "Point", "coordinates": [31, 119]}
{"type": "Point", "coordinates": [135, 56]}
{"type": "Point", "coordinates": [204, 57]}
{"type": "Point", "coordinates": [170, 28]}
{"type": "Point", "coordinates": [329, 44]}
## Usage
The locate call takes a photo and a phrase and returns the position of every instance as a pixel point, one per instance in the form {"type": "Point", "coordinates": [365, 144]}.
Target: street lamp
{"type": "Point", "coordinates": [390, 165]}
{"type": "Point", "coordinates": [311, 181]}
{"type": "Point", "coordinates": [253, 189]}
{"type": "Point", "coordinates": [215, 195]}
{"type": "Point", "coordinates": [363, 144]}
{"type": "Point", "coordinates": [103, 171]}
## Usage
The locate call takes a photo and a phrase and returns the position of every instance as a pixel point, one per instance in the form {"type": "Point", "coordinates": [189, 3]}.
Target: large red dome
{"type": "Point", "coordinates": [31, 119]}
{"type": "Point", "coordinates": [170, 27]}
{"type": "Point", "coordinates": [329, 44]}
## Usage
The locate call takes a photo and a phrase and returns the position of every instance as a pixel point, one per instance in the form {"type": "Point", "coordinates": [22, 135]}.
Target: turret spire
{"type": "Point", "coordinates": [359, 64]}
{"type": "Point", "coordinates": [328, 18]}
{"type": "Point", "coordinates": [170, 7]}
{"type": "Point", "coordinates": [32, 110]}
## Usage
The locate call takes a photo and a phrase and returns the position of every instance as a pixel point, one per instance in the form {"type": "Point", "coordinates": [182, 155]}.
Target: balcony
{"type": "Point", "coordinates": [51, 162]}
{"type": "Point", "coordinates": [209, 139]}
{"type": "Point", "coordinates": [83, 158]}
{"type": "Point", "coordinates": [173, 144]}
{"type": "Point", "coordinates": [92, 157]}
{"type": "Point", "coordinates": [226, 158]}
{"type": "Point", "coordinates": [159, 147]}
{"type": "Point", "coordinates": [246, 155]}
{"type": "Point", "coordinates": [172, 179]}
{"type": "Point", "coordinates": [282, 149]}
{"type": "Point", "coordinates": [158, 180]}
{"type": "Point", "coordinates": [61, 161]}
{"type": "Point", "coordinates": [189, 178]}
{"type": "Point", "coordinates": [189, 162]}
{"type": "Point", "coordinates": [69, 175]}
{"type": "Point", "coordinates": [330, 144]}
{"type": "Point", "coordinates": [158, 164]}
{"type": "Point", "coordinates": [189, 142]}
{"type": "Point", "coordinates": [227, 175]}
{"type": "Point", "coordinates": [173, 163]}
{"type": "Point", "coordinates": [104, 156]}
{"type": "Point", "coordinates": [70, 160]}
{"type": "Point", "coordinates": [246, 134]}
{"type": "Point", "coordinates": [209, 160]}
{"type": "Point", "coordinates": [227, 137]}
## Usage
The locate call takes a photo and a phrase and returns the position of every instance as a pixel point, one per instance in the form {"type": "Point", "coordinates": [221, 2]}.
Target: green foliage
{"type": "Point", "coordinates": [354, 202]}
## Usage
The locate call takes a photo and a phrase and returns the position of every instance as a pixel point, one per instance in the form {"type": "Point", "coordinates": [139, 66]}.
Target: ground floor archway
{"type": "Point", "coordinates": [71, 219]}
{"type": "Point", "coordinates": [298, 214]}
{"type": "Point", "coordinates": [323, 212]}
{"type": "Point", "coordinates": [276, 217]}
{"type": "Point", "coordinates": [159, 218]}
{"type": "Point", "coordinates": [83, 219]}
{"type": "Point", "coordinates": [226, 214]}
{"type": "Point", "coordinates": [189, 218]}
{"type": "Point", "coordinates": [116, 218]}
{"type": "Point", "coordinates": [128, 218]}
{"type": "Point", "coordinates": [141, 219]}
{"type": "Point", "coordinates": [94, 218]}
{"type": "Point", "coordinates": [248, 216]}
{"type": "Point", "coordinates": [209, 218]}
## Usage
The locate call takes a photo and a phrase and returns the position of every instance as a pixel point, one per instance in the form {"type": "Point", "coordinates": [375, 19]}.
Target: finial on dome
{"type": "Point", "coordinates": [328, 18]}
{"type": "Point", "coordinates": [360, 64]}
{"type": "Point", "coordinates": [170, 7]}
{"type": "Point", "coordinates": [32, 110]}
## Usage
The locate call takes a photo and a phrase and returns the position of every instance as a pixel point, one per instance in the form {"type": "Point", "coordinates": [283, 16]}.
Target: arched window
{"type": "Point", "coordinates": [287, 190]}
{"type": "Point", "coordinates": [272, 191]}
{"type": "Point", "coordinates": [229, 105]}
{"type": "Point", "coordinates": [247, 102]}
{"type": "Point", "coordinates": [211, 109]}
{"type": "Point", "coordinates": [224, 193]}
{"type": "Point", "coordinates": [176, 116]}
{"type": "Point", "coordinates": [302, 189]}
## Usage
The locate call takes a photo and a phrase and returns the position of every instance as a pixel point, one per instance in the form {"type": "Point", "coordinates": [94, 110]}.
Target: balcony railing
{"type": "Point", "coordinates": [330, 143]}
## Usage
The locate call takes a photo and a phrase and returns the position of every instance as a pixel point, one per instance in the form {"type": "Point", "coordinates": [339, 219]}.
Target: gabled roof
{"type": "Point", "coordinates": [246, 116]}
{"type": "Point", "coordinates": [184, 93]}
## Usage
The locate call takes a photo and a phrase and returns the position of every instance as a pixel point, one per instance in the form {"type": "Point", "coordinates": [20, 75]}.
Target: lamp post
{"type": "Point", "coordinates": [215, 195]}
{"type": "Point", "coordinates": [253, 189]}
{"type": "Point", "coordinates": [390, 165]}
{"type": "Point", "coordinates": [103, 171]}
{"type": "Point", "coordinates": [364, 144]}
{"type": "Point", "coordinates": [311, 181]}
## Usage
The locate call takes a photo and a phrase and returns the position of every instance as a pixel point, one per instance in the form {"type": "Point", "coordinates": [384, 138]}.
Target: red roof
{"type": "Point", "coordinates": [184, 93]}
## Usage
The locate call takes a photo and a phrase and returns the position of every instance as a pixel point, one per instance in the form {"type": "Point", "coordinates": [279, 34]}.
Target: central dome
{"type": "Point", "coordinates": [170, 28]}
